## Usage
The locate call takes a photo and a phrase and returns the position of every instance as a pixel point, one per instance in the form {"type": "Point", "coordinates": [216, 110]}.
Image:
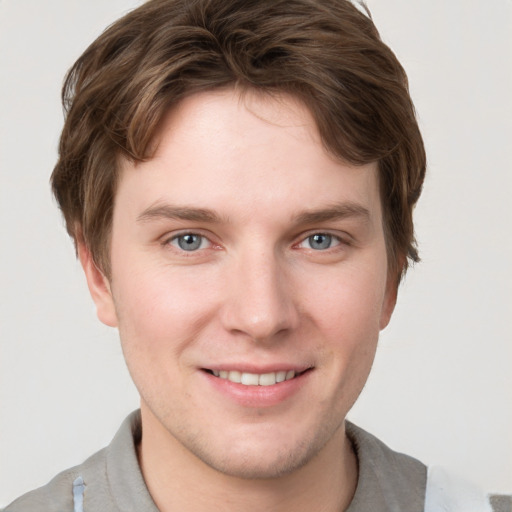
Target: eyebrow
{"type": "Point", "coordinates": [335, 212]}
{"type": "Point", "coordinates": [166, 211]}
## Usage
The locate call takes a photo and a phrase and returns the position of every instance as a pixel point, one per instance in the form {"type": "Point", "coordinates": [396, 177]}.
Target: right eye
{"type": "Point", "coordinates": [190, 242]}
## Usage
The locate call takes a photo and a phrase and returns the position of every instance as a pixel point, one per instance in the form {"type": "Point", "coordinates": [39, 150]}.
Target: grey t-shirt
{"type": "Point", "coordinates": [111, 480]}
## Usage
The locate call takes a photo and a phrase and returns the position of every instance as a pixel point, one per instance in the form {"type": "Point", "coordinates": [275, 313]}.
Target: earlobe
{"type": "Point", "coordinates": [99, 287]}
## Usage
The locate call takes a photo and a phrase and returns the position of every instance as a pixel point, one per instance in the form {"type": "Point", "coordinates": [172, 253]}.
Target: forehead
{"type": "Point", "coordinates": [244, 153]}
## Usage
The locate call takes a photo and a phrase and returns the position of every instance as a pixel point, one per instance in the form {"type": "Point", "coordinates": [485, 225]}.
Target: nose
{"type": "Point", "coordinates": [259, 302]}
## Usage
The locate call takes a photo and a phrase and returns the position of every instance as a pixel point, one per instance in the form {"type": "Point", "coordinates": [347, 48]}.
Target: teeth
{"type": "Point", "coordinates": [250, 379]}
{"type": "Point", "coordinates": [235, 376]}
{"type": "Point", "coordinates": [255, 379]}
{"type": "Point", "coordinates": [267, 379]}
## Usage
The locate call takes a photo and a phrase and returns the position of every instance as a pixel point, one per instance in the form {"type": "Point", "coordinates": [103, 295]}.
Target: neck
{"type": "Point", "coordinates": [178, 480]}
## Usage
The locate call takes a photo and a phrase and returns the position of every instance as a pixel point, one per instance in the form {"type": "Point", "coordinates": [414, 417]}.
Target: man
{"type": "Point", "coordinates": [239, 179]}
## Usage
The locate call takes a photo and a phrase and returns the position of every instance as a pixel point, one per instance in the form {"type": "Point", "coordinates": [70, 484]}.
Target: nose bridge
{"type": "Point", "coordinates": [259, 302]}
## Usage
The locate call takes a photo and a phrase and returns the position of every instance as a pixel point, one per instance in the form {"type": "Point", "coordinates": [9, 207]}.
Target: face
{"type": "Point", "coordinates": [249, 283]}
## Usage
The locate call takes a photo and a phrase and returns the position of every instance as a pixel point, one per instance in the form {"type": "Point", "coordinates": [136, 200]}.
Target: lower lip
{"type": "Point", "coordinates": [258, 396]}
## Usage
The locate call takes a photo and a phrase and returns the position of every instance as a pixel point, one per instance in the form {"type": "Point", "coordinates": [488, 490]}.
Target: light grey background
{"type": "Point", "coordinates": [441, 388]}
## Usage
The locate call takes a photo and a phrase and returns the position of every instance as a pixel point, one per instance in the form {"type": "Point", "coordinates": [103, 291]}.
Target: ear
{"type": "Point", "coordinates": [389, 302]}
{"type": "Point", "coordinates": [99, 287]}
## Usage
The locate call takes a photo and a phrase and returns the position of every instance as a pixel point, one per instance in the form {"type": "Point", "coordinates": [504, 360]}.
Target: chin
{"type": "Point", "coordinates": [258, 466]}
{"type": "Point", "coordinates": [254, 458]}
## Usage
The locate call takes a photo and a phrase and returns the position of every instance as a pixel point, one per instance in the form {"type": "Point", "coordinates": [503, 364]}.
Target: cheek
{"type": "Point", "coordinates": [160, 314]}
{"type": "Point", "coordinates": [345, 313]}
{"type": "Point", "coordinates": [158, 305]}
{"type": "Point", "coordinates": [349, 304]}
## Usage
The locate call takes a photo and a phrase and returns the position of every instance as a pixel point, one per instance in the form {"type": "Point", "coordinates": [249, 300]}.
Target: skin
{"type": "Point", "coordinates": [257, 293]}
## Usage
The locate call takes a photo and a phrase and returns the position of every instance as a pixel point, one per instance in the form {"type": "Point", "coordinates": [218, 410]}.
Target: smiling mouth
{"type": "Point", "coordinates": [256, 379]}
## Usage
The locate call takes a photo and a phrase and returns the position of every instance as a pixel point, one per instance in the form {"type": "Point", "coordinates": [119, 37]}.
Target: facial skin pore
{"type": "Point", "coordinates": [243, 247]}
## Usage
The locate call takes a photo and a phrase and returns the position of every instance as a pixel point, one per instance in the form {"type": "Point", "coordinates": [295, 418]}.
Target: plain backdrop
{"type": "Point", "coordinates": [441, 388]}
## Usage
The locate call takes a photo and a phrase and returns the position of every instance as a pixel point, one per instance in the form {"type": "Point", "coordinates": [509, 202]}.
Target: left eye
{"type": "Point", "coordinates": [321, 241]}
{"type": "Point", "coordinates": [190, 242]}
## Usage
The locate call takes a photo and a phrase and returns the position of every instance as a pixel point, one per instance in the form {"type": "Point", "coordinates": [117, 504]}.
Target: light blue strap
{"type": "Point", "coordinates": [78, 494]}
{"type": "Point", "coordinates": [447, 492]}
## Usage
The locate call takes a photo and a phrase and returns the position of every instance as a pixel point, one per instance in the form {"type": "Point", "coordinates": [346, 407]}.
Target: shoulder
{"type": "Point", "coordinates": [388, 480]}
{"type": "Point", "coordinates": [374, 452]}
{"type": "Point", "coordinates": [57, 495]}
{"type": "Point", "coordinates": [392, 481]}
{"type": "Point", "coordinates": [105, 482]}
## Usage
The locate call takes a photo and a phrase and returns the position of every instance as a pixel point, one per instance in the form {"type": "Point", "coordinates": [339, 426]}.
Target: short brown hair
{"type": "Point", "coordinates": [325, 52]}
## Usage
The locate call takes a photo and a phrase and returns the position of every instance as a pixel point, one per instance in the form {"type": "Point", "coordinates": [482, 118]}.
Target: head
{"type": "Point", "coordinates": [325, 53]}
{"type": "Point", "coordinates": [239, 177]}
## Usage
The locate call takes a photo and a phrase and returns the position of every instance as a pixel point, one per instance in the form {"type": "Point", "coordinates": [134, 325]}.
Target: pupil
{"type": "Point", "coordinates": [320, 241]}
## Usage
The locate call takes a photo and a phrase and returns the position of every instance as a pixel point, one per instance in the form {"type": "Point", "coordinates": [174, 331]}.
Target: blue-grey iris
{"type": "Point", "coordinates": [320, 241]}
{"type": "Point", "coordinates": [189, 242]}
